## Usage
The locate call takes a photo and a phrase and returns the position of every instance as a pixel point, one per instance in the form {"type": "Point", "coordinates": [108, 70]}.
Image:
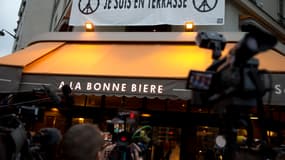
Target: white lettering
{"type": "Point", "coordinates": [71, 85]}
{"type": "Point", "coordinates": [277, 89]}
{"type": "Point", "coordinates": [145, 88]}
{"type": "Point", "coordinates": [160, 89]}
{"type": "Point", "coordinates": [152, 88]}
{"type": "Point", "coordinates": [89, 86]}
{"type": "Point", "coordinates": [116, 87]}
{"type": "Point", "coordinates": [106, 86]}
{"type": "Point", "coordinates": [61, 84]}
{"type": "Point", "coordinates": [134, 88]}
{"type": "Point", "coordinates": [97, 86]}
{"type": "Point", "coordinates": [140, 88]}
{"type": "Point", "coordinates": [124, 87]}
{"type": "Point", "coordinates": [77, 86]}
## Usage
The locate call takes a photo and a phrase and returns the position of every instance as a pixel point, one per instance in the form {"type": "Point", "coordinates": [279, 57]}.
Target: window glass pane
{"type": "Point", "coordinates": [156, 104]}
{"type": "Point", "coordinates": [80, 120]}
{"type": "Point", "coordinates": [177, 105]}
{"type": "Point", "coordinates": [166, 143]}
{"type": "Point", "coordinates": [93, 101]}
{"type": "Point", "coordinates": [113, 102]}
{"type": "Point", "coordinates": [79, 100]}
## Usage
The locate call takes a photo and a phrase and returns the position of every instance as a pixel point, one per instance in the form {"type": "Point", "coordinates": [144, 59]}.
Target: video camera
{"type": "Point", "coordinates": [126, 134]}
{"type": "Point", "coordinates": [232, 85]}
{"type": "Point", "coordinates": [233, 80]}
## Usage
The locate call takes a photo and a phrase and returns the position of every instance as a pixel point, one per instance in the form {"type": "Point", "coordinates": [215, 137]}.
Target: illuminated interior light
{"type": "Point", "coordinates": [220, 141]}
{"type": "Point", "coordinates": [81, 120]}
{"type": "Point", "coordinates": [54, 109]}
{"type": "Point", "coordinates": [271, 133]}
{"type": "Point", "coordinates": [170, 132]}
{"type": "Point", "coordinates": [89, 26]}
{"type": "Point", "coordinates": [145, 115]}
{"type": "Point", "coordinates": [123, 139]}
{"type": "Point", "coordinates": [132, 115]}
{"type": "Point", "coordinates": [189, 26]}
{"type": "Point", "coordinates": [253, 117]}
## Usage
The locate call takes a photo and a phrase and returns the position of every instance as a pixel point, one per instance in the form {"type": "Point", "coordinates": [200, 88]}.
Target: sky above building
{"type": "Point", "coordinates": [8, 21]}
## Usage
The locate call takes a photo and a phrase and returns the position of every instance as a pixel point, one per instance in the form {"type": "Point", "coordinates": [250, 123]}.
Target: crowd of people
{"type": "Point", "coordinates": [85, 142]}
{"type": "Point", "coordinates": [80, 142]}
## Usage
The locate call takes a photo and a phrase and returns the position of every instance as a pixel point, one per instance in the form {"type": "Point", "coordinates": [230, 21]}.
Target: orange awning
{"type": "Point", "coordinates": [126, 59]}
{"type": "Point", "coordinates": [24, 57]}
{"type": "Point", "coordinates": [83, 64]}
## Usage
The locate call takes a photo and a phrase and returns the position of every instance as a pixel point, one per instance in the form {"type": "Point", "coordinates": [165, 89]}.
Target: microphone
{"type": "Point", "coordinates": [48, 136]}
{"type": "Point", "coordinates": [255, 41]}
{"type": "Point", "coordinates": [51, 94]}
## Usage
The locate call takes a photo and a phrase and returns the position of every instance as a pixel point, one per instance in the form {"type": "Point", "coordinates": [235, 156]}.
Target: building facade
{"type": "Point", "coordinates": [37, 17]}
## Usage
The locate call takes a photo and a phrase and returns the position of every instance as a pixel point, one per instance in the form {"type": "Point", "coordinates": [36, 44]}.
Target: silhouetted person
{"type": "Point", "coordinates": [81, 142]}
{"type": "Point", "coordinates": [5, 147]}
{"type": "Point", "coordinates": [209, 155]}
{"type": "Point", "coordinates": [280, 156]}
{"type": "Point", "coordinates": [49, 138]}
{"type": "Point", "coordinates": [85, 142]}
{"type": "Point", "coordinates": [67, 98]}
{"type": "Point", "coordinates": [67, 102]}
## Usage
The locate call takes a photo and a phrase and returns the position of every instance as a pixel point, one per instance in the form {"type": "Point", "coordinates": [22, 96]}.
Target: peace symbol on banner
{"type": "Point", "coordinates": [88, 6]}
{"type": "Point", "coordinates": [205, 5]}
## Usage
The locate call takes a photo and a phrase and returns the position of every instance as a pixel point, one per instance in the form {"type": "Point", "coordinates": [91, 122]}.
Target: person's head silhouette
{"type": "Point", "coordinates": [81, 142]}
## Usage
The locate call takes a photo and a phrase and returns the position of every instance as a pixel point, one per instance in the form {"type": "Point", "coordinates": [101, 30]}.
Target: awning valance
{"type": "Point", "coordinates": [9, 79]}
{"type": "Point", "coordinates": [11, 66]}
{"type": "Point", "coordinates": [111, 86]}
{"type": "Point", "coordinates": [154, 68]}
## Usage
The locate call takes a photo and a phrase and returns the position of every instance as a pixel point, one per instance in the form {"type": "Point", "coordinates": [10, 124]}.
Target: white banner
{"type": "Point", "coordinates": [147, 12]}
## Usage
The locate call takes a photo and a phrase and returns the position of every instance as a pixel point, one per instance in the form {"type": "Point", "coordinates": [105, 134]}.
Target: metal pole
{"type": "Point", "coordinates": [2, 33]}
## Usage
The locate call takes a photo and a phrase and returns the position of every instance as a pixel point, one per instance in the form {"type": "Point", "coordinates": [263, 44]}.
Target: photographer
{"type": "Point", "coordinates": [234, 86]}
{"type": "Point", "coordinates": [110, 153]}
{"type": "Point", "coordinates": [48, 139]}
{"type": "Point", "coordinates": [5, 147]}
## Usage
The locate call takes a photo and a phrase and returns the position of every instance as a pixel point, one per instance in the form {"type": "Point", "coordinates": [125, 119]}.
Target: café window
{"type": "Point", "coordinates": [93, 101]}
{"type": "Point", "coordinates": [113, 102]}
{"type": "Point", "coordinates": [206, 136]}
{"type": "Point", "coordinates": [177, 106]}
{"type": "Point", "coordinates": [131, 103]}
{"type": "Point", "coordinates": [166, 142]}
{"type": "Point", "coordinates": [81, 120]}
{"type": "Point", "coordinates": [123, 102]}
{"type": "Point", "coordinates": [156, 104]}
{"type": "Point", "coordinates": [79, 100]}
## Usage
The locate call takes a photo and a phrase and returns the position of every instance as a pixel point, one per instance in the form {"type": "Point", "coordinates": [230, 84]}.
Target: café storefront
{"type": "Point", "coordinates": [113, 72]}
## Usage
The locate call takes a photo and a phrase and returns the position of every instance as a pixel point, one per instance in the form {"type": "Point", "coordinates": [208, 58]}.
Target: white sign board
{"type": "Point", "coordinates": [147, 12]}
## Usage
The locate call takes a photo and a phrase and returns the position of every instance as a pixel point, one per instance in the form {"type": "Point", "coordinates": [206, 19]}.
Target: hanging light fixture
{"type": "Point", "coordinates": [89, 26]}
{"type": "Point", "coordinates": [189, 26]}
